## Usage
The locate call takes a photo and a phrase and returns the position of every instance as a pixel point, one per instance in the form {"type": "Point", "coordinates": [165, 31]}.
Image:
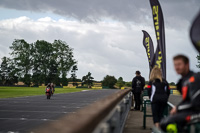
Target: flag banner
{"type": "Point", "coordinates": [157, 60]}
{"type": "Point", "coordinates": [195, 32]}
{"type": "Point", "coordinates": [158, 20]}
{"type": "Point", "coordinates": [148, 44]}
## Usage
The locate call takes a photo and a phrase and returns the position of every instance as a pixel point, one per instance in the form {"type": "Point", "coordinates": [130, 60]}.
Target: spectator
{"type": "Point", "coordinates": [138, 84]}
{"type": "Point", "coordinates": [158, 90]}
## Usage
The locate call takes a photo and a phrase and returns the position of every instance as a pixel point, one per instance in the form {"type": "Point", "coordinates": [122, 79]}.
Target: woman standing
{"type": "Point", "coordinates": [158, 90]}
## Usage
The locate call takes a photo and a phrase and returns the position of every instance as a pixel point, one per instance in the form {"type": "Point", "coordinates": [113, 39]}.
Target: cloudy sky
{"type": "Point", "coordinates": [105, 34]}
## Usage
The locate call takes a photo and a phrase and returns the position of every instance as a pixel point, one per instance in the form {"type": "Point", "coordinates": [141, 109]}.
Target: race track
{"type": "Point", "coordinates": [20, 115]}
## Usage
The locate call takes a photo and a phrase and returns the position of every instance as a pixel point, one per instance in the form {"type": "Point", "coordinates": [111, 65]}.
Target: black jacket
{"type": "Point", "coordinates": [158, 91]}
{"type": "Point", "coordinates": [138, 84]}
{"type": "Point", "coordinates": [190, 94]}
{"type": "Point", "coordinates": [182, 81]}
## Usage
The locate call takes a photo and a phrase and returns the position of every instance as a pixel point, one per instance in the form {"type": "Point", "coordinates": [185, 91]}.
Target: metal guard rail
{"type": "Point", "coordinates": [105, 116]}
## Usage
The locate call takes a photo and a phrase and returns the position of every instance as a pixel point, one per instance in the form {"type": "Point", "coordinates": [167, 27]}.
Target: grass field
{"type": "Point", "coordinates": [8, 92]}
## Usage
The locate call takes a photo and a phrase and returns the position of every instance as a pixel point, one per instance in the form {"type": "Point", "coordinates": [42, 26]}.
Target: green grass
{"type": "Point", "coordinates": [9, 92]}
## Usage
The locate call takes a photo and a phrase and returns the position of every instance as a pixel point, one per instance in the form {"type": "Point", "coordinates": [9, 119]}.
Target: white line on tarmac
{"type": "Point", "coordinates": [25, 119]}
{"type": "Point", "coordinates": [34, 111]}
{"type": "Point", "coordinates": [26, 105]}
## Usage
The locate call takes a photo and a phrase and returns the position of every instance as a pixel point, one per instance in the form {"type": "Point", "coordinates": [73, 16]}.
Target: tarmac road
{"type": "Point", "coordinates": [20, 115]}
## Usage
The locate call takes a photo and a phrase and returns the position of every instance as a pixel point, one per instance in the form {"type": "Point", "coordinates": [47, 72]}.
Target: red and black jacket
{"type": "Point", "coordinates": [191, 94]}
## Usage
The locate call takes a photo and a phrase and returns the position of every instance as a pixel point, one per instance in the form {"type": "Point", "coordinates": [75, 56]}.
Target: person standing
{"type": "Point", "coordinates": [158, 90]}
{"type": "Point", "coordinates": [188, 85]}
{"type": "Point", "coordinates": [138, 84]}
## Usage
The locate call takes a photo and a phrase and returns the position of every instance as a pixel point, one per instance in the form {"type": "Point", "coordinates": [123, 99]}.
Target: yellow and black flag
{"type": "Point", "coordinates": [195, 32]}
{"type": "Point", "coordinates": [148, 44]}
{"type": "Point", "coordinates": [158, 20]}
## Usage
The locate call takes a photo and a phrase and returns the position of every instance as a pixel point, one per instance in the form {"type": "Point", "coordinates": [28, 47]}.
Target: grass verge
{"type": "Point", "coordinates": [9, 92]}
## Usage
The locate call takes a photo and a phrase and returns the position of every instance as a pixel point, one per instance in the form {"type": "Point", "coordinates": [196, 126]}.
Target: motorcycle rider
{"type": "Point", "coordinates": [49, 86]}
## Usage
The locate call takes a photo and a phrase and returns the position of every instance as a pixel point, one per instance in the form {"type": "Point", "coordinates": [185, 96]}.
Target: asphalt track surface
{"type": "Point", "coordinates": [20, 115]}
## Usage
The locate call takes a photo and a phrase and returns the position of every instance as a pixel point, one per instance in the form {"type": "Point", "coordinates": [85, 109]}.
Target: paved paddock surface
{"type": "Point", "coordinates": [22, 114]}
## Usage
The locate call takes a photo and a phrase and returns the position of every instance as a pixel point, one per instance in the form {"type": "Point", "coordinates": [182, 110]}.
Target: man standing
{"type": "Point", "coordinates": [188, 85]}
{"type": "Point", "coordinates": [138, 84]}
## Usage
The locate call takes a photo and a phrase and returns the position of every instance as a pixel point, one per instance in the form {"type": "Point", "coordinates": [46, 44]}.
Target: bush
{"type": "Point", "coordinates": [109, 81]}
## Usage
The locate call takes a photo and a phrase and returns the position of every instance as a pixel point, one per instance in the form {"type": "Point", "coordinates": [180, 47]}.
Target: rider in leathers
{"type": "Point", "coordinates": [189, 106]}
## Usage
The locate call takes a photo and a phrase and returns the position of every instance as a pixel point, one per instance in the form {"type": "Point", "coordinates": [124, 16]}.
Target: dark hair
{"type": "Point", "coordinates": [137, 72]}
{"type": "Point", "coordinates": [182, 57]}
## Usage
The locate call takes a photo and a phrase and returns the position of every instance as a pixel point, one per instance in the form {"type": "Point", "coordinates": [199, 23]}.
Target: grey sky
{"type": "Point", "coordinates": [106, 35]}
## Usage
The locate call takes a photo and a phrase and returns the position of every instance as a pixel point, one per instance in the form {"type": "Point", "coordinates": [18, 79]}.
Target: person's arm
{"type": "Point", "coordinates": [173, 111]}
{"type": "Point", "coordinates": [133, 83]}
{"type": "Point", "coordinates": [185, 104]}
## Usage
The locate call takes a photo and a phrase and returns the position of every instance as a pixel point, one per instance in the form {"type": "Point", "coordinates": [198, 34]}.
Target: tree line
{"type": "Point", "coordinates": [43, 62]}
{"type": "Point", "coordinates": [39, 62]}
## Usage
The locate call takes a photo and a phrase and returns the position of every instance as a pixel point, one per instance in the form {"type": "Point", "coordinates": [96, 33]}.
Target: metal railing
{"type": "Point", "coordinates": [105, 116]}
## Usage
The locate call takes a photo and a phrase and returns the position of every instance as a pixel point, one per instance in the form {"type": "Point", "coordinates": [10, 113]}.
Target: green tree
{"type": "Point", "coordinates": [64, 56]}
{"type": "Point", "coordinates": [4, 71]}
{"type": "Point", "coordinates": [53, 74]}
{"type": "Point", "coordinates": [8, 73]}
{"type": "Point", "coordinates": [88, 79]}
{"type": "Point", "coordinates": [73, 75]}
{"type": "Point", "coordinates": [109, 81]}
{"type": "Point", "coordinates": [172, 83]}
{"type": "Point", "coordinates": [120, 83]}
{"type": "Point", "coordinates": [22, 57]}
{"type": "Point", "coordinates": [52, 62]}
{"type": "Point", "coordinates": [128, 84]}
{"type": "Point", "coordinates": [41, 60]}
{"type": "Point", "coordinates": [198, 61]}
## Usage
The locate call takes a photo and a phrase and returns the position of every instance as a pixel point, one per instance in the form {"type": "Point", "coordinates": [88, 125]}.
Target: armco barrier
{"type": "Point", "coordinates": [105, 116]}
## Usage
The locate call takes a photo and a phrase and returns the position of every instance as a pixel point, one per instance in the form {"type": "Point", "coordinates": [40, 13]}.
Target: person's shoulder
{"type": "Point", "coordinates": [134, 78]}
{"type": "Point", "coordinates": [196, 76]}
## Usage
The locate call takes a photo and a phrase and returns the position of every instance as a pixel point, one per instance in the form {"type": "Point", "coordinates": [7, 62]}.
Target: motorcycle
{"type": "Point", "coordinates": [48, 92]}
